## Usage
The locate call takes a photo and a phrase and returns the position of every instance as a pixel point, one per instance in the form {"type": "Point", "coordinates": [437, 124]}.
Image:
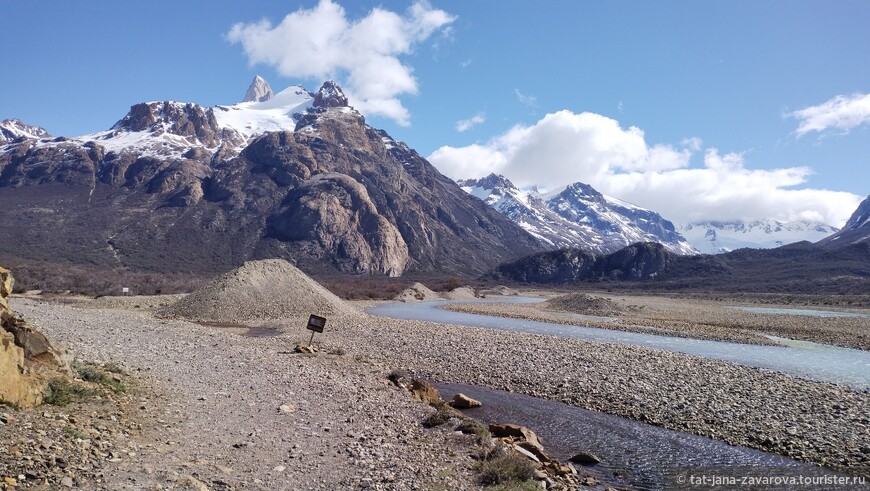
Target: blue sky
{"type": "Point", "coordinates": [712, 89]}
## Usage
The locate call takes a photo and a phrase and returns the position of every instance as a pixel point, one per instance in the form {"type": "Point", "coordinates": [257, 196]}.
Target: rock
{"type": "Point", "coordinates": [193, 483]}
{"type": "Point", "coordinates": [535, 449]}
{"type": "Point", "coordinates": [330, 95]}
{"type": "Point", "coordinates": [585, 458]}
{"type": "Point", "coordinates": [67, 482]}
{"type": "Point", "coordinates": [514, 431]}
{"type": "Point", "coordinates": [462, 401]}
{"type": "Point", "coordinates": [287, 408]}
{"type": "Point", "coordinates": [424, 391]}
{"type": "Point", "coordinates": [301, 348]}
{"type": "Point", "coordinates": [259, 91]}
{"type": "Point", "coordinates": [6, 283]}
{"type": "Point", "coordinates": [525, 453]}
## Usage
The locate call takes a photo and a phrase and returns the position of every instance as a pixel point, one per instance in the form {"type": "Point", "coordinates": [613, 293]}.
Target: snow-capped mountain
{"type": "Point", "coordinates": [176, 186]}
{"type": "Point", "coordinates": [259, 91]}
{"type": "Point", "coordinates": [12, 129]}
{"type": "Point", "coordinates": [577, 216]}
{"type": "Point", "coordinates": [716, 237]}
{"type": "Point", "coordinates": [856, 230]}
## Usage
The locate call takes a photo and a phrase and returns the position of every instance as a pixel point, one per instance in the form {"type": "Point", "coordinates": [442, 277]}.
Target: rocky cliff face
{"type": "Point", "coordinates": [259, 91]}
{"type": "Point", "coordinates": [856, 230]}
{"type": "Point", "coordinates": [26, 356]}
{"type": "Point", "coordinates": [178, 187]}
{"type": "Point", "coordinates": [14, 129]}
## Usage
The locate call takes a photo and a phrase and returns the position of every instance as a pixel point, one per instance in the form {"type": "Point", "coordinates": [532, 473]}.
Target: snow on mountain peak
{"type": "Point", "coordinates": [576, 216]}
{"type": "Point", "coordinates": [330, 95]}
{"type": "Point", "coordinates": [258, 91]}
{"type": "Point", "coordinates": [12, 129]}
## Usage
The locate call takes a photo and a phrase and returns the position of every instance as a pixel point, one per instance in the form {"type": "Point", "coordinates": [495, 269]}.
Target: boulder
{"type": "Point", "coordinates": [518, 432]}
{"type": "Point", "coordinates": [424, 391]}
{"type": "Point", "coordinates": [462, 401]}
{"type": "Point", "coordinates": [585, 458]}
{"type": "Point", "coordinates": [25, 354]}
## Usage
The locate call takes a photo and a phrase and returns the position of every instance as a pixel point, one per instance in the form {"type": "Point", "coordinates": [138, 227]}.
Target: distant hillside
{"type": "Point", "coordinates": [797, 268]}
{"type": "Point", "coordinates": [856, 230]}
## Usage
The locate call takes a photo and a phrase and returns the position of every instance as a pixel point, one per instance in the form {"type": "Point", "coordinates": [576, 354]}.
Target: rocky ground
{"type": "Point", "coordinates": [703, 319]}
{"type": "Point", "coordinates": [220, 422]}
{"type": "Point", "coordinates": [238, 413]}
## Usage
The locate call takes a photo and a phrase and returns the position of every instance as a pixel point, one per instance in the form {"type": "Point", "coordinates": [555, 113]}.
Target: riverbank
{"type": "Point", "coordinates": [701, 319]}
{"type": "Point", "coordinates": [219, 376]}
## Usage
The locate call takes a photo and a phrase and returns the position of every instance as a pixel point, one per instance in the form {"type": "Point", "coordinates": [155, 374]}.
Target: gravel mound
{"type": "Point", "coordinates": [501, 290]}
{"type": "Point", "coordinates": [461, 293]}
{"type": "Point", "coordinates": [583, 303]}
{"type": "Point", "coordinates": [418, 292]}
{"type": "Point", "coordinates": [258, 290]}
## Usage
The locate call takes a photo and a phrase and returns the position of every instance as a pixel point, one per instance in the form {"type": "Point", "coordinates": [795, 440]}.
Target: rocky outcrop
{"type": "Point", "coordinates": [14, 129]}
{"type": "Point", "coordinates": [417, 292]}
{"type": "Point", "coordinates": [330, 95]}
{"type": "Point", "coordinates": [26, 356]}
{"type": "Point", "coordinates": [334, 212]}
{"type": "Point", "coordinates": [258, 91]}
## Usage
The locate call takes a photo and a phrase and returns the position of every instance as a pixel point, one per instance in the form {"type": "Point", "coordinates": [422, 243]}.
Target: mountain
{"type": "Point", "coordinates": [178, 187]}
{"type": "Point", "coordinates": [715, 237]}
{"type": "Point", "coordinates": [259, 91]}
{"type": "Point", "coordinates": [577, 216]}
{"type": "Point", "coordinates": [856, 230]}
{"type": "Point", "coordinates": [13, 129]}
{"type": "Point", "coordinates": [797, 268]}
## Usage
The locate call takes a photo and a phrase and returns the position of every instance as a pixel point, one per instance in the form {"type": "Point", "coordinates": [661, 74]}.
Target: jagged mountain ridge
{"type": "Point", "coordinates": [856, 230]}
{"type": "Point", "coordinates": [716, 237]}
{"type": "Point", "coordinates": [13, 129]}
{"type": "Point", "coordinates": [177, 187]}
{"type": "Point", "coordinates": [577, 216]}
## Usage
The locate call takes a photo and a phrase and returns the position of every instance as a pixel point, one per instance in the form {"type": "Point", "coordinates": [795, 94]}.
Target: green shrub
{"type": "Point", "coordinates": [508, 468]}
{"type": "Point", "coordinates": [61, 392]}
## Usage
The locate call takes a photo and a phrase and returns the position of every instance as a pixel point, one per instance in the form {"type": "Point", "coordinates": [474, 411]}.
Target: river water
{"type": "Point", "coordinates": [810, 361]}
{"type": "Point", "coordinates": [633, 455]}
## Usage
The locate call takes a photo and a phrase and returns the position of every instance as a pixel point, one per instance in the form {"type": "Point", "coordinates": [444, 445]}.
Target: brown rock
{"type": "Point", "coordinates": [424, 391]}
{"type": "Point", "coordinates": [6, 283]}
{"type": "Point", "coordinates": [585, 458]}
{"type": "Point", "coordinates": [534, 449]}
{"type": "Point", "coordinates": [514, 431]}
{"type": "Point", "coordinates": [462, 401]}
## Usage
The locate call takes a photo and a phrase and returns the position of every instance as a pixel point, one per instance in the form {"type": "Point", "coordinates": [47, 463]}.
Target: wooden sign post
{"type": "Point", "coordinates": [315, 324]}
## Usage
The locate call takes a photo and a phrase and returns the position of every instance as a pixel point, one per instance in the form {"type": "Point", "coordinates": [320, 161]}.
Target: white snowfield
{"type": "Point", "coordinates": [715, 237]}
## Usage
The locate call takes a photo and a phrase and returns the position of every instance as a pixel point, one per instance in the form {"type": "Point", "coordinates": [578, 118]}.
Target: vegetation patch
{"type": "Point", "coordinates": [91, 372]}
{"type": "Point", "coordinates": [61, 392]}
{"type": "Point", "coordinates": [504, 468]}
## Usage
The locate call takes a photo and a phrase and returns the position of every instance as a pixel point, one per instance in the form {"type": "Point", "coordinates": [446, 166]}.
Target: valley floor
{"type": "Point", "coordinates": [698, 318]}
{"type": "Point", "coordinates": [221, 422]}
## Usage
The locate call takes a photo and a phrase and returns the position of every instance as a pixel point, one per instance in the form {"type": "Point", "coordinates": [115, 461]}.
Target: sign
{"type": "Point", "coordinates": [316, 323]}
{"type": "Point", "coordinates": [125, 290]}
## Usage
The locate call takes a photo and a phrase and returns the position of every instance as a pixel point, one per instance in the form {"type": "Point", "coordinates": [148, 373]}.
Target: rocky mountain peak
{"type": "Point", "coordinates": [12, 129]}
{"type": "Point", "coordinates": [856, 230]}
{"type": "Point", "coordinates": [861, 217]}
{"type": "Point", "coordinates": [258, 91]}
{"type": "Point", "coordinates": [492, 181]}
{"type": "Point", "coordinates": [330, 95]}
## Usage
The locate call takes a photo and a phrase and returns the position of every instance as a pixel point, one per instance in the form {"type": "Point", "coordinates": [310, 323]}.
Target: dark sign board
{"type": "Point", "coordinates": [316, 323]}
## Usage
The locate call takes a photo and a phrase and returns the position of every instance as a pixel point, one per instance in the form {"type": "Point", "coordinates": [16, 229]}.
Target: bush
{"type": "Point", "coordinates": [506, 468]}
{"type": "Point", "coordinates": [61, 392]}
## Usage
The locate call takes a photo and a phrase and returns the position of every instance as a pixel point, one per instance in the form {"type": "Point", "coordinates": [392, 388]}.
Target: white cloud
{"type": "Point", "coordinates": [321, 43]}
{"type": "Point", "coordinates": [467, 124]}
{"type": "Point", "coordinates": [841, 112]}
{"type": "Point", "coordinates": [566, 147]}
{"type": "Point", "coordinates": [526, 100]}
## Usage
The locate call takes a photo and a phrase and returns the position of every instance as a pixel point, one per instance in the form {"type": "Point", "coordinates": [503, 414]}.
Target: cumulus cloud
{"type": "Point", "coordinates": [321, 43]}
{"type": "Point", "coordinates": [840, 112]}
{"type": "Point", "coordinates": [467, 124]}
{"type": "Point", "coordinates": [567, 147]}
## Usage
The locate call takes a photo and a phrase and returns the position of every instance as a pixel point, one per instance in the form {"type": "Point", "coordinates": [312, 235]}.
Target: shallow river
{"type": "Point", "coordinates": [633, 455]}
{"type": "Point", "coordinates": [801, 359]}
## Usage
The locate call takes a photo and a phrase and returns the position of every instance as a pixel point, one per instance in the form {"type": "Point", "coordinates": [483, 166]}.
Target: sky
{"type": "Point", "coordinates": [698, 110]}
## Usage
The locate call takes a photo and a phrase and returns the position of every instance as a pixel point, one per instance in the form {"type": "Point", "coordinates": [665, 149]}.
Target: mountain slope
{"type": "Point", "coordinates": [796, 268]}
{"type": "Point", "coordinates": [177, 187]}
{"type": "Point", "coordinates": [13, 129]}
{"type": "Point", "coordinates": [578, 216]}
{"type": "Point", "coordinates": [715, 237]}
{"type": "Point", "coordinates": [856, 230]}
